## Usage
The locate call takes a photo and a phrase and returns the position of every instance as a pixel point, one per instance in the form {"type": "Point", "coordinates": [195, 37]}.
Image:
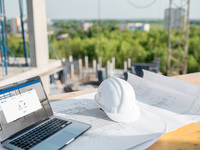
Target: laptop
{"type": "Point", "coordinates": [27, 120]}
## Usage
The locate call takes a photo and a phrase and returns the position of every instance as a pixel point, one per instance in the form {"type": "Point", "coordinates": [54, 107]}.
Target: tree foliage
{"type": "Point", "coordinates": [107, 41]}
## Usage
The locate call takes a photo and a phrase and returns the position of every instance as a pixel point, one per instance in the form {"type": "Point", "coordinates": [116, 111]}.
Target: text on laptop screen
{"type": "Point", "coordinates": [22, 105]}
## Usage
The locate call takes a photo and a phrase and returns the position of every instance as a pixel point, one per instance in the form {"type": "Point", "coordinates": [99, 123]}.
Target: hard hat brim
{"type": "Point", "coordinates": [123, 117]}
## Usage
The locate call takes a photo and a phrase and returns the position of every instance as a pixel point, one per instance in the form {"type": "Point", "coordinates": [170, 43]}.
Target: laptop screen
{"type": "Point", "coordinates": [22, 104]}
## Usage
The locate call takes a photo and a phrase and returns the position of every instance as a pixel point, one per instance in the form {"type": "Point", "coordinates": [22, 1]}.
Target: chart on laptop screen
{"type": "Point", "coordinates": [22, 105]}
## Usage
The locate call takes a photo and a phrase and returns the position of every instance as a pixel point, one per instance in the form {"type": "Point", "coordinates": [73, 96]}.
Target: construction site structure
{"type": "Point", "coordinates": [40, 64]}
{"type": "Point", "coordinates": [177, 21]}
{"type": "Point", "coordinates": [4, 46]}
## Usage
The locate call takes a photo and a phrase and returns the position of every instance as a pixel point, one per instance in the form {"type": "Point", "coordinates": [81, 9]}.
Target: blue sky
{"type": "Point", "coordinates": [110, 9]}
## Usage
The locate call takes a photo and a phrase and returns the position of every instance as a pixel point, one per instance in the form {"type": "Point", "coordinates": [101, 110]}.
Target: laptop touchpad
{"type": "Point", "coordinates": [62, 138]}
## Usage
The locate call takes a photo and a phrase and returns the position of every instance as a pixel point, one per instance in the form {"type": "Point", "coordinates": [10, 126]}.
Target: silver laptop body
{"type": "Point", "coordinates": [25, 110]}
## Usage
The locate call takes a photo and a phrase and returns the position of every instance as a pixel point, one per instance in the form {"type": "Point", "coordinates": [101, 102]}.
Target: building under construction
{"type": "Point", "coordinates": [38, 63]}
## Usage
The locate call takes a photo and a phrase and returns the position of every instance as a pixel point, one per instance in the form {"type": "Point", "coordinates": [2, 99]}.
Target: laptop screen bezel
{"type": "Point", "coordinates": [18, 83]}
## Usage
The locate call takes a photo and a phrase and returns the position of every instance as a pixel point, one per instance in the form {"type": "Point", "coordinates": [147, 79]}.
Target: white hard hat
{"type": "Point", "coordinates": [117, 98]}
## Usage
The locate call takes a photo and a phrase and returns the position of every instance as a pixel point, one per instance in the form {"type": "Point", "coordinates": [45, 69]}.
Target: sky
{"type": "Point", "coordinates": [109, 9]}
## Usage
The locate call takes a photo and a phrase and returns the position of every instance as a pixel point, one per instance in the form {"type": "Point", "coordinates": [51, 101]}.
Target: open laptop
{"type": "Point", "coordinates": [27, 121]}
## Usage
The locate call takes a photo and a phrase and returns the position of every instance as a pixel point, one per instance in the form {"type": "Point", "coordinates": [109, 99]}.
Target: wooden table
{"type": "Point", "coordinates": [184, 138]}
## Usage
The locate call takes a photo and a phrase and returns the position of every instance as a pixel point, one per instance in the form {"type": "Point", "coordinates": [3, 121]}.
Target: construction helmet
{"type": "Point", "coordinates": [117, 99]}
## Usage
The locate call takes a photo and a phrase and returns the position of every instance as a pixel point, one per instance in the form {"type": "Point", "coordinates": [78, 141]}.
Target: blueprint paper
{"type": "Point", "coordinates": [144, 145]}
{"type": "Point", "coordinates": [177, 108]}
{"type": "Point", "coordinates": [178, 85]}
{"type": "Point", "coordinates": [107, 134]}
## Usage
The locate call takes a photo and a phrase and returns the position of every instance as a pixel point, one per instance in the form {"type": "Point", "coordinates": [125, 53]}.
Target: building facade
{"type": "Point", "coordinates": [134, 26]}
{"type": "Point", "coordinates": [178, 18]}
{"type": "Point", "coordinates": [85, 25]}
{"type": "Point", "coordinates": [15, 25]}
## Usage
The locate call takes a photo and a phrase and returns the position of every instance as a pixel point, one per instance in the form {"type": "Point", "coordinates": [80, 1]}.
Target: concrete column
{"type": "Point", "coordinates": [71, 66]}
{"type": "Point", "coordinates": [113, 63]}
{"type": "Point", "coordinates": [94, 62]}
{"type": "Point", "coordinates": [80, 67]}
{"type": "Point", "coordinates": [72, 71]}
{"type": "Point", "coordinates": [111, 69]}
{"type": "Point", "coordinates": [70, 58]}
{"type": "Point", "coordinates": [37, 28]}
{"type": "Point", "coordinates": [108, 69]}
{"type": "Point", "coordinates": [86, 62]}
{"type": "Point", "coordinates": [125, 66]}
{"type": "Point", "coordinates": [129, 63]}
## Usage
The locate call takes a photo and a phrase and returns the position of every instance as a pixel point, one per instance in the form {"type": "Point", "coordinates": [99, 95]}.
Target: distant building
{"type": "Point", "coordinates": [134, 26]}
{"type": "Point", "coordinates": [178, 18]}
{"type": "Point", "coordinates": [62, 36]}
{"type": "Point", "coordinates": [85, 25]}
{"type": "Point", "coordinates": [49, 22]}
{"type": "Point", "coordinates": [15, 25]}
{"type": "Point", "coordinates": [50, 32]}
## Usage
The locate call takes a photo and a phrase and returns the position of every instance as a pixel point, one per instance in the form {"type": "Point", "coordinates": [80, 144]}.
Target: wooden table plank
{"type": "Point", "coordinates": [184, 138]}
{"type": "Point", "coordinates": [193, 78]}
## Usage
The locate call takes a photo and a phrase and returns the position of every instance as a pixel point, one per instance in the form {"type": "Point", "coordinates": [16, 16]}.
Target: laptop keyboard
{"type": "Point", "coordinates": [35, 136]}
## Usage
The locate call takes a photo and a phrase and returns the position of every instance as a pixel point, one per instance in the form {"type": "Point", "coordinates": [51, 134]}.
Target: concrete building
{"type": "Point", "coordinates": [50, 32]}
{"type": "Point", "coordinates": [49, 22]}
{"type": "Point", "coordinates": [85, 25]}
{"type": "Point", "coordinates": [62, 36]}
{"type": "Point", "coordinates": [38, 48]}
{"type": "Point", "coordinates": [15, 25]}
{"type": "Point", "coordinates": [178, 18]}
{"type": "Point", "coordinates": [134, 26]}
